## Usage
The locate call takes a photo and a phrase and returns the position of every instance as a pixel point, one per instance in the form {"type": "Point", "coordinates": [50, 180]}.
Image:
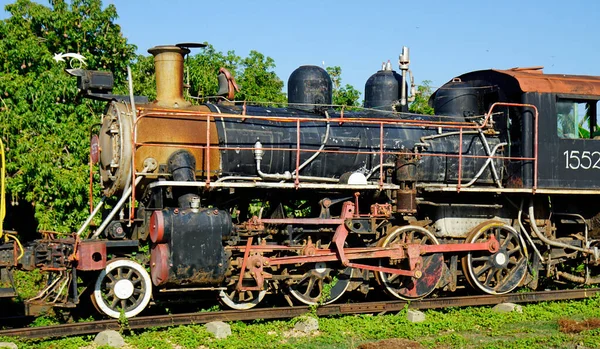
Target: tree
{"type": "Point", "coordinates": [342, 95]}
{"type": "Point", "coordinates": [203, 69]}
{"type": "Point", "coordinates": [421, 103]}
{"type": "Point", "coordinates": [257, 80]}
{"type": "Point", "coordinates": [142, 74]}
{"type": "Point", "coordinates": [254, 75]}
{"type": "Point", "coordinates": [44, 127]}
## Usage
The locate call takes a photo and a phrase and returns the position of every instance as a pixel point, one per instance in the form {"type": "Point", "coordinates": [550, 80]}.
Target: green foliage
{"type": "Point", "coordinates": [45, 132]}
{"type": "Point", "coordinates": [257, 80]}
{"type": "Point", "coordinates": [29, 283]}
{"type": "Point", "coordinates": [44, 321]}
{"type": "Point", "coordinates": [477, 327]}
{"type": "Point", "coordinates": [326, 293]}
{"type": "Point", "coordinates": [123, 322]}
{"type": "Point", "coordinates": [342, 95]}
{"type": "Point", "coordinates": [46, 127]}
{"type": "Point", "coordinates": [142, 74]}
{"type": "Point", "coordinates": [254, 75]}
{"type": "Point", "coordinates": [202, 69]}
{"type": "Point", "coordinates": [211, 309]}
{"type": "Point", "coordinates": [421, 103]}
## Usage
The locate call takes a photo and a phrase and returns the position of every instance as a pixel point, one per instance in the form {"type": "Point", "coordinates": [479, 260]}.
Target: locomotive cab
{"type": "Point", "coordinates": [568, 137]}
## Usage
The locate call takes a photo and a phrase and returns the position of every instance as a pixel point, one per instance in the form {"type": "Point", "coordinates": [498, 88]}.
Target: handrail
{"type": "Point", "coordinates": [381, 152]}
{"type": "Point", "coordinates": [535, 134]}
{"type": "Point", "coordinates": [535, 144]}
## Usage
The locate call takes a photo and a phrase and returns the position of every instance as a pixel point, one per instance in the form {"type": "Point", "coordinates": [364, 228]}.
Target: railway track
{"type": "Point", "coordinates": [290, 312]}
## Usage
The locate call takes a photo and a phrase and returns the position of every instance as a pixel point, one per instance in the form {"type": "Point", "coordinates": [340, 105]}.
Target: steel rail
{"type": "Point", "coordinates": [290, 312]}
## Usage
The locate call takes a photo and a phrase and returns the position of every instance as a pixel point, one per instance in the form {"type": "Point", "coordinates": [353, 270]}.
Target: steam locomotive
{"type": "Point", "coordinates": [496, 190]}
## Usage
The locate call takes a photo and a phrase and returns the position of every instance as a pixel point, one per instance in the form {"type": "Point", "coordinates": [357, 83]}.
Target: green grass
{"type": "Point", "coordinates": [477, 327]}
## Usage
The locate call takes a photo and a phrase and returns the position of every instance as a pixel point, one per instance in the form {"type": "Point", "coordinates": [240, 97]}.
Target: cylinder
{"type": "Point", "coordinates": [168, 63]}
{"type": "Point", "coordinates": [188, 246]}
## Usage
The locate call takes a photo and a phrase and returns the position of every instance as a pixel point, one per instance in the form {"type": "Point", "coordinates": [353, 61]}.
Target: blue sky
{"type": "Point", "coordinates": [446, 38]}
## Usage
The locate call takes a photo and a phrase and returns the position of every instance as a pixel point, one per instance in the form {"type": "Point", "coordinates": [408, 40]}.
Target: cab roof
{"type": "Point", "coordinates": [533, 79]}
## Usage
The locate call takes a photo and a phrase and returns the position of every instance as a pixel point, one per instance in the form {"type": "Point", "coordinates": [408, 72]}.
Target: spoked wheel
{"type": "Point", "coordinates": [500, 272]}
{"type": "Point", "coordinates": [407, 287]}
{"type": "Point", "coordinates": [124, 285]}
{"type": "Point", "coordinates": [322, 284]}
{"type": "Point", "coordinates": [240, 300]}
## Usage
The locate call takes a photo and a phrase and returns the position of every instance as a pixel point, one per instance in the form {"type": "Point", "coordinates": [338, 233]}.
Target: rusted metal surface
{"type": "Point", "coordinates": [244, 263]}
{"type": "Point", "coordinates": [490, 245]}
{"type": "Point", "coordinates": [406, 200]}
{"type": "Point", "coordinates": [303, 221]}
{"type": "Point", "coordinates": [157, 227]}
{"type": "Point", "coordinates": [432, 269]}
{"type": "Point", "coordinates": [91, 255]}
{"type": "Point", "coordinates": [321, 255]}
{"type": "Point", "coordinates": [159, 264]}
{"type": "Point", "coordinates": [297, 170]}
{"type": "Point", "coordinates": [290, 312]}
{"type": "Point", "coordinates": [159, 137]}
{"type": "Point", "coordinates": [168, 62]}
{"type": "Point", "coordinates": [232, 86]}
{"type": "Point", "coordinates": [381, 210]}
{"type": "Point", "coordinates": [534, 80]}
{"type": "Point", "coordinates": [380, 155]}
{"type": "Point", "coordinates": [460, 144]}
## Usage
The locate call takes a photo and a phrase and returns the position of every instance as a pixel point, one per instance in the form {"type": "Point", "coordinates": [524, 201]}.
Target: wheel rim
{"type": "Point", "coordinates": [123, 285]}
{"type": "Point", "coordinates": [500, 272]}
{"type": "Point", "coordinates": [309, 290]}
{"type": "Point", "coordinates": [241, 300]}
{"type": "Point", "coordinates": [407, 287]}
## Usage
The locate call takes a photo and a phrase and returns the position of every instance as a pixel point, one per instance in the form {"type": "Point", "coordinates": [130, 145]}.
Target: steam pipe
{"type": "Point", "coordinates": [374, 169]}
{"type": "Point", "coordinates": [413, 90]}
{"type": "Point", "coordinates": [117, 206]}
{"type": "Point", "coordinates": [403, 61]}
{"type": "Point", "coordinates": [487, 162]}
{"type": "Point", "coordinates": [91, 216]}
{"type": "Point", "coordinates": [487, 149]}
{"type": "Point", "coordinates": [547, 241]}
{"type": "Point", "coordinates": [258, 155]}
{"type": "Point", "coordinates": [320, 148]}
{"type": "Point", "coordinates": [578, 279]}
{"type": "Point", "coordinates": [519, 219]}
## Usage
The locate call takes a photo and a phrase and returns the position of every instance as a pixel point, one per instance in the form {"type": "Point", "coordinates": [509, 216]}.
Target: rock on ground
{"type": "Point", "coordinates": [219, 329]}
{"type": "Point", "coordinates": [307, 324]}
{"type": "Point", "coordinates": [415, 316]}
{"type": "Point", "coordinates": [110, 338]}
{"type": "Point", "coordinates": [507, 308]}
{"type": "Point", "coordinates": [8, 345]}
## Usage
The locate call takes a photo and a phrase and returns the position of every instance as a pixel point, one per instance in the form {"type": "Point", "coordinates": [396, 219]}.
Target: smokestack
{"type": "Point", "coordinates": [168, 64]}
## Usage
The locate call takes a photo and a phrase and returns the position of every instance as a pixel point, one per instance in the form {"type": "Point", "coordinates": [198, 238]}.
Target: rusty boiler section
{"type": "Point", "coordinates": [158, 129]}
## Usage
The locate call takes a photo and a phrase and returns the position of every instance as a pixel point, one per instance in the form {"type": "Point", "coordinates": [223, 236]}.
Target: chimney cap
{"type": "Point", "coordinates": [168, 48]}
{"type": "Point", "coordinates": [191, 45]}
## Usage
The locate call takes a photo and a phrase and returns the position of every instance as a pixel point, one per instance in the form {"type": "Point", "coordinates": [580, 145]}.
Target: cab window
{"type": "Point", "coordinates": [576, 119]}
